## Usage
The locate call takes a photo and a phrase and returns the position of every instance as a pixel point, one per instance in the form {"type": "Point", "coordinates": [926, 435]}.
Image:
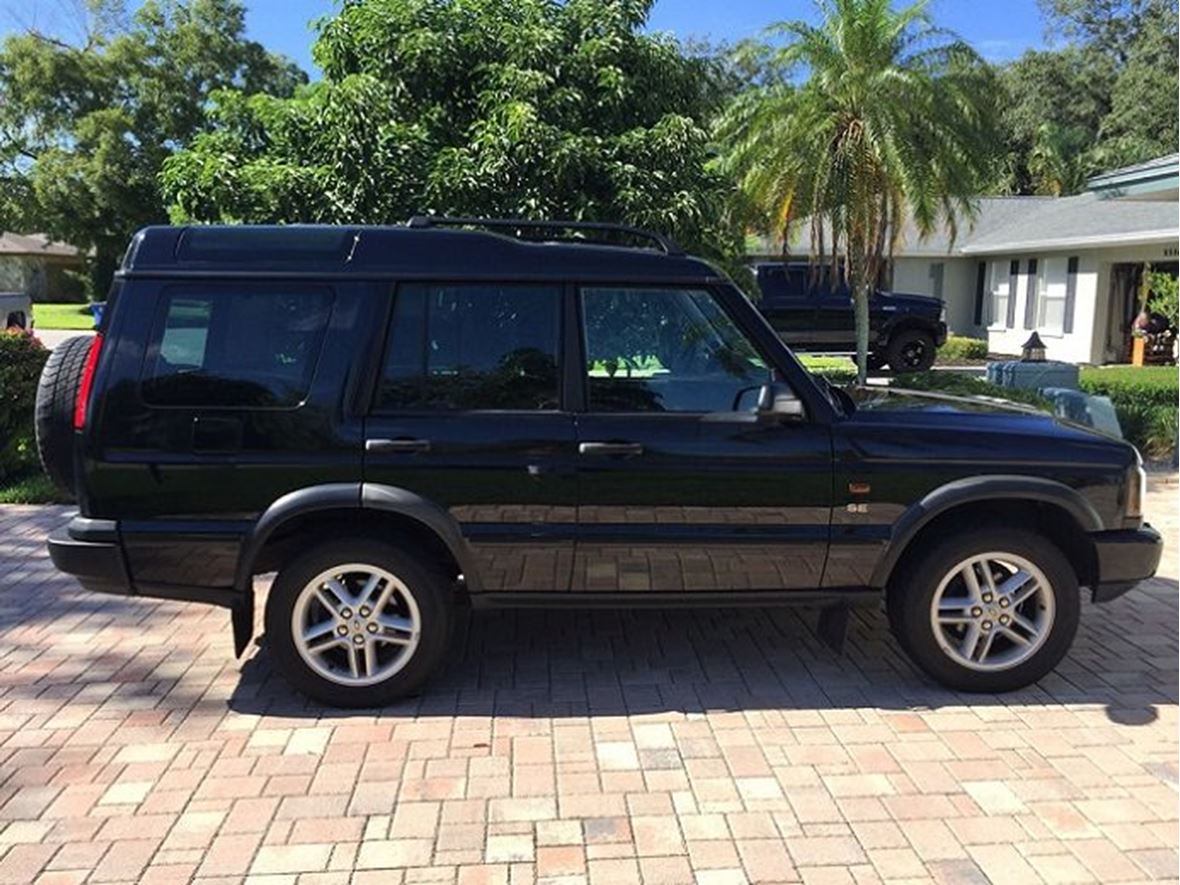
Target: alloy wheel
{"type": "Point", "coordinates": [356, 624]}
{"type": "Point", "coordinates": [992, 611]}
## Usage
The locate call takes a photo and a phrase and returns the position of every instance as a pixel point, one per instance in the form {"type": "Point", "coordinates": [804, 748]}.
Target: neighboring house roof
{"type": "Point", "coordinates": [1152, 180]}
{"type": "Point", "coordinates": [34, 245]}
{"type": "Point", "coordinates": [1095, 219]}
{"type": "Point", "coordinates": [1085, 221]}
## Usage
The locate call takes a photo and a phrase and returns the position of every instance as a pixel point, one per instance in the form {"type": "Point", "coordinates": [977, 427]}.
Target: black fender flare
{"type": "Point", "coordinates": [974, 489]}
{"type": "Point", "coordinates": [340, 496]}
{"type": "Point", "coordinates": [354, 496]}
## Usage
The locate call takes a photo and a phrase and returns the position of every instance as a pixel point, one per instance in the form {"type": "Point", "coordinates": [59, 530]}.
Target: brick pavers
{"type": "Point", "coordinates": [608, 748]}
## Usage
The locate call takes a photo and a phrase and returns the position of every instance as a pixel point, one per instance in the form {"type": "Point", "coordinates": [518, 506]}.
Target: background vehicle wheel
{"type": "Point", "coordinates": [53, 414]}
{"type": "Point", "coordinates": [358, 623]}
{"type": "Point", "coordinates": [875, 361]}
{"type": "Point", "coordinates": [910, 350]}
{"type": "Point", "coordinates": [992, 610]}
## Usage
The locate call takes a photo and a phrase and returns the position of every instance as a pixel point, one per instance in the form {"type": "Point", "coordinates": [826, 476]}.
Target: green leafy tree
{"type": "Point", "coordinates": [893, 119]}
{"type": "Point", "coordinates": [1107, 98]}
{"type": "Point", "coordinates": [85, 125]}
{"type": "Point", "coordinates": [477, 107]}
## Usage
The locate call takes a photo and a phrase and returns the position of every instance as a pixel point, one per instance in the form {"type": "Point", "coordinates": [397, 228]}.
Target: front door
{"type": "Point", "coordinates": [682, 486]}
{"type": "Point", "coordinates": [468, 416]}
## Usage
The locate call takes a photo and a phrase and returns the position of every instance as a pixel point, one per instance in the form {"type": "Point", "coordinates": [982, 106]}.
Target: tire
{"type": "Point", "coordinates": [1001, 664]}
{"type": "Point", "coordinates": [57, 392]}
{"type": "Point", "coordinates": [875, 361]}
{"type": "Point", "coordinates": [405, 658]}
{"type": "Point", "coordinates": [910, 350]}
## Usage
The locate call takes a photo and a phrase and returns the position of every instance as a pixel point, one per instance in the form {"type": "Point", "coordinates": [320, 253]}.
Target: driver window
{"type": "Point", "coordinates": [666, 350]}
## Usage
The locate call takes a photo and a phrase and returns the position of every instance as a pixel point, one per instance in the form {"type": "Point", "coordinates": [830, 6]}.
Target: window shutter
{"type": "Point", "coordinates": [1071, 293]}
{"type": "Point", "coordinates": [980, 282]}
{"type": "Point", "coordinates": [1030, 295]}
{"type": "Point", "coordinates": [1013, 286]}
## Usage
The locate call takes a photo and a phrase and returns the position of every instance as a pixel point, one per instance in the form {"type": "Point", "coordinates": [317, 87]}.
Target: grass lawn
{"type": "Point", "coordinates": [826, 362]}
{"type": "Point", "coordinates": [34, 488]}
{"type": "Point", "coordinates": [63, 316]}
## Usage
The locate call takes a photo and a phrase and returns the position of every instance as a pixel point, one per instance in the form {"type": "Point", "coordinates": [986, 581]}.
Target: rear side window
{"type": "Point", "coordinates": [472, 346]}
{"type": "Point", "coordinates": [235, 347]}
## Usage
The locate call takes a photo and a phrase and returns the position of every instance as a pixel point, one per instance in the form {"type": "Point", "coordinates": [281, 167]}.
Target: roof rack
{"type": "Point", "coordinates": [666, 244]}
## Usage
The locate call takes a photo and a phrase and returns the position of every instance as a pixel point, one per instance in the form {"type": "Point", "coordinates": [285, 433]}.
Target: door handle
{"type": "Point", "coordinates": [610, 448]}
{"type": "Point", "coordinates": [397, 446]}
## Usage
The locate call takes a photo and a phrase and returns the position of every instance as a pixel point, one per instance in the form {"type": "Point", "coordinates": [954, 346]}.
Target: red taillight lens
{"type": "Point", "coordinates": [87, 382]}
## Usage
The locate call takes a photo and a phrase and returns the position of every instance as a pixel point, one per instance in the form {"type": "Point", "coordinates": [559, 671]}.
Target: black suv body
{"type": "Point", "coordinates": [399, 421]}
{"type": "Point", "coordinates": [809, 314]}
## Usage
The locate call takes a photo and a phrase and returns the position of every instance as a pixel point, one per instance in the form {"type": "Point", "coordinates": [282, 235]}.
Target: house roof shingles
{"type": "Point", "coordinates": [1021, 224]}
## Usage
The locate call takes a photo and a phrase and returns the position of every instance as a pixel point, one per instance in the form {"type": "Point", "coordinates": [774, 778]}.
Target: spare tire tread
{"type": "Point", "coordinates": [57, 392]}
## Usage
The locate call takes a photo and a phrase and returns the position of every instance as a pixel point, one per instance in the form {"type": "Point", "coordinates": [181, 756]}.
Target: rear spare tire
{"type": "Point", "coordinates": [57, 392]}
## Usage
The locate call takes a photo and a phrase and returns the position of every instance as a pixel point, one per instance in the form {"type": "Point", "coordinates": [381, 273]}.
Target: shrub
{"type": "Point", "coordinates": [838, 370]}
{"type": "Point", "coordinates": [957, 384]}
{"type": "Point", "coordinates": [960, 347]}
{"type": "Point", "coordinates": [21, 359]}
{"type": "Point", "coordinates": [1157, 385]}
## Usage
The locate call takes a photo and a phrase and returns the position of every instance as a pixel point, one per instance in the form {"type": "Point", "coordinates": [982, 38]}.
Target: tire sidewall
{"type": "Point", "coordinates": [431, 592]}
{"type": "Point", "coordinates": [898, 342]}
{"type": "Point", "coordinates": [910, 602]}
{"type": "Point", "coordinates": [53, 410]}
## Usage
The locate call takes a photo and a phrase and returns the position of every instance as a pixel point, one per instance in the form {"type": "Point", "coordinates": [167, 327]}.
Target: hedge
{"type": "Point", "coordinates": [1157, 385]}
{"type": "Point", "coordinates": [960, 347]}
{"type": "Point", "coordinates": [21, 359]}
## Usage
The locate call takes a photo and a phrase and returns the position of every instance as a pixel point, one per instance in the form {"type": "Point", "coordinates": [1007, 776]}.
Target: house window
{"type": "Point", "coordinates": [1052, 294]}
{"type": "Point", "coordinates": [1031, 290]}
{"type": "Point", "coordinates": [936, 274]}
{"type": "Point", "coordinates": [1003, 289]}
{"type": "Point", "coordinates": [1071, 292]}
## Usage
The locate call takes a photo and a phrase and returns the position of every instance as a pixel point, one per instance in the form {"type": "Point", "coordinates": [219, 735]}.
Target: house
{"type": "Point", "coordinates": [37, 266]}
{"type": "Point", "coordinates": [1068, 267]}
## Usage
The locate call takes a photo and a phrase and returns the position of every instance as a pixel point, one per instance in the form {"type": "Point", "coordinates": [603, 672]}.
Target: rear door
{"type": "Point", "coordinates": [232, 402]}
{"type": "Point", "coordinates": [468, 415]}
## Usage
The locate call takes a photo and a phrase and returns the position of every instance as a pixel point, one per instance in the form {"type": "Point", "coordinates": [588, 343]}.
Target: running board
{"type": "Point", "coordinates": [828, 599]}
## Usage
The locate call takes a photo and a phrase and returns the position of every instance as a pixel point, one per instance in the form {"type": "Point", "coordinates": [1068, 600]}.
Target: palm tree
{"type": "Point", "coordinates": [893, 119]}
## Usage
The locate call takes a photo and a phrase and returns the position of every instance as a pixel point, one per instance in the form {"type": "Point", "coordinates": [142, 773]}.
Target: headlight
{"type": "Point", "coordinates": [1136, 490]}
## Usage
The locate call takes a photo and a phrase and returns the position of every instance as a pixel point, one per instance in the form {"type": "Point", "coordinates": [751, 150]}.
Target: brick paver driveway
{"type": "Point", "coordinates": [615, 748]}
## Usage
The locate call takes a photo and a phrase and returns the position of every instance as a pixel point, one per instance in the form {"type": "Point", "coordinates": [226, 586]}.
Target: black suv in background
{"type": "Point", "coordinates": [811, 314]}
{"type": "Point", "coordinates": [403, 420]}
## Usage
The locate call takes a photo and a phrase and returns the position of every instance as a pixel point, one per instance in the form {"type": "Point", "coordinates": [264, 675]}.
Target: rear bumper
{"type": "Point", "coordinates": [1125, 558]}
{"type": "Point", "coordinates": [91, 551]}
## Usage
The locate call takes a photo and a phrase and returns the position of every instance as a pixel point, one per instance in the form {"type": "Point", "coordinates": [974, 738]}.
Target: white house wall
{"type": "Point", "coordinates": [914, 275]}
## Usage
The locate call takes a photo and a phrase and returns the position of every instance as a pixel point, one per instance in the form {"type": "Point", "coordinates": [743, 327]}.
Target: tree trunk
{"type": "Point", "coordinates": [860, 298]}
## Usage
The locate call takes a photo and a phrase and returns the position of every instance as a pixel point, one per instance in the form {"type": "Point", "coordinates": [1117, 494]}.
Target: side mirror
{"type": "Point", "coordinates": [776, 400]}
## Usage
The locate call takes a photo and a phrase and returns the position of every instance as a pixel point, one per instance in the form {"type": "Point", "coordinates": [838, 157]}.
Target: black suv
{"type": "Point", "coordinates": [403, 420]}
{"type": "Point", "coordinates": [811, 314]}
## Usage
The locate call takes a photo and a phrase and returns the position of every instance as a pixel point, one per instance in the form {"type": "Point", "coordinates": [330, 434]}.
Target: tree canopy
{"type": "Point", "coordinates": [1105, 99]}
{"type": "Point", "coordinates": [890, 118]}
{"type": "Point", "coordinates": [476, 107]}
{"type": "Point", "coordinates": [85, 126]}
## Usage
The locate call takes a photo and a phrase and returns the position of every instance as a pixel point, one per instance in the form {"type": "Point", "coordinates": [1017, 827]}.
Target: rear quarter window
{"type": "Point", "coordinates": [235, 346]}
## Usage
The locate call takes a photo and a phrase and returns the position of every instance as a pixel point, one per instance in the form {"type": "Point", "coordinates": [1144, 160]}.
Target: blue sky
{"type": "Point", "coordinates": [999, 29]}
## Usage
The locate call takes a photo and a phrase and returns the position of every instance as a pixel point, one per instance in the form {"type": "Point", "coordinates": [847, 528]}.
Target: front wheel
{"type": "Point", "coordinates": [358, 623]}
{"type": "Point", "coordinates": [910, 350]}
{"type": "Point", "coordinates": [991, 610]}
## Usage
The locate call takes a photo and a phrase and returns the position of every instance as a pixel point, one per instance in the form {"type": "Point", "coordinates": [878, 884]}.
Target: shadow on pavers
{"type": "Point", "coordinates": [560, 664]}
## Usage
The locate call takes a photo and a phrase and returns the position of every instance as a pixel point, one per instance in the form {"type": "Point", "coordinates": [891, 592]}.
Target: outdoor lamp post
{"type": "Point", "coordinates": [1033, 350]}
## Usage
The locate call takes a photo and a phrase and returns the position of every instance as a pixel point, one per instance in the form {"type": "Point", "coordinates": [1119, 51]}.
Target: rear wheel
{"type": "Point", "coordinates": [993, 610]}
{"type": "Point", "coordinates": [57, 393]}
{"type": "Point", "coordinates": [910, 350]}
{"type": "Point", "coordinates": [358, 623]}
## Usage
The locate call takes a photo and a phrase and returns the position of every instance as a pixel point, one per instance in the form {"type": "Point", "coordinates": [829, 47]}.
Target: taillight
{"type": "Point", "coordinates": [87, 382]}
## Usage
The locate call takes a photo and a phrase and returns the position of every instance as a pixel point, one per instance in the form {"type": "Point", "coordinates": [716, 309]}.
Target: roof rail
{"type": "Point", "coordinates": [666, 244]}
